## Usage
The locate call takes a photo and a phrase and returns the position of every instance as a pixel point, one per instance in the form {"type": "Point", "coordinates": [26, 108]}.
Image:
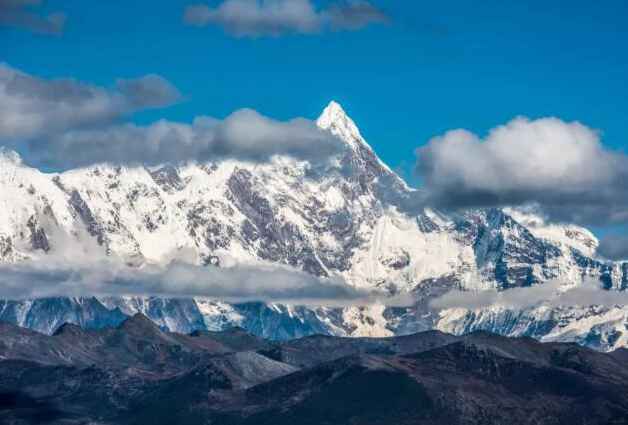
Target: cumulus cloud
{"type": "Point", "coordinates": [561, 166]}
{"type": "Point", "coordinates": [245, 134]}
{"type": "Point", "coordinates": [67, 123]}
{"type": "Point", "coordinates": [22, 14]}
{"type": "Point", "coordinates": [614, 247]}
{"type": "Point", "coordinates": [254, 18]}
{"type": "Point", "coordinates": [552, 294]}
{"type": "Point", "coordinates": [31, 107]}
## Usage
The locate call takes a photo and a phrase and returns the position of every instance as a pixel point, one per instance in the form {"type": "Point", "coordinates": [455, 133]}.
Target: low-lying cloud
{"type": "Point", "coordinates": [552, 294]}
{"type": "Point", "coordinates": [108, 277]}
{"type": "Point", "coordinates": [23, 14]}
{"type": "Point", "coordinates": [255, 18]}
{"type": "Point", "coordinates": [65, 123]}
{"type": "Point", "coordinates": [561, 166]}
{"type": "Point", "coordinates": [78, 266]}
{"type": "Point", "coordinates": [177, 280]}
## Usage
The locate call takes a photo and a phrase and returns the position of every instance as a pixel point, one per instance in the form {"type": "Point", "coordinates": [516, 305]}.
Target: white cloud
{"type": "Point", "coordinates": [108, 277]}
{"type": "Point", "coordinates": [561, 166]}
{"type": "Point", "coordinates": [254, 18]}
{"type": "Point", "coordinates": [32, 107]}
{"type": "Point", "coordinates": [553, 294]}
{"type": "Point", "coordinates": [66, 123]}
{"type": "Point", "coordinates": [45, 279]}
{"type": "Point", "coordinates": [245, 134]}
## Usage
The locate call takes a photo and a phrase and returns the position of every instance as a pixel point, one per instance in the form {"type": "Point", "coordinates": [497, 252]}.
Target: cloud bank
{"type": "Point", "coordinates": [177, 280]}
{"type": "Point", "coordinates": [552, 294]}
{"type": "Point", "coordinates": [256, 18]}
{"type": "Point", "coordinates": [561, 166]}
{"type": "Point", "coordinates": [245, 134]}
{"type": "Point", "coordinates": [21, 14]}
{"type": "Point", "coordinates": [78, 274]}
{"type": "Point", "coordinates": [66, 123]}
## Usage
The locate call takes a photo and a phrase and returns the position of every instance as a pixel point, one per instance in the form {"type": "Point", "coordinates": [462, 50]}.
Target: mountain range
{"type": "Point", "coordinates": [351, 217]}
{"type": "Point", "coordinates": [136, 373]}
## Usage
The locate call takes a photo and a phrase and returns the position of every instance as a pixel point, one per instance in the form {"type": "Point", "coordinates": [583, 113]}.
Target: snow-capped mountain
{"type": "Point", "coordinates": [345, 218]}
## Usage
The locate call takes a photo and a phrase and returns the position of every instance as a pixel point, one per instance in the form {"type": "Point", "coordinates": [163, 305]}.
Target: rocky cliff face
{"type": "Point", "coordinates": [345, 217]}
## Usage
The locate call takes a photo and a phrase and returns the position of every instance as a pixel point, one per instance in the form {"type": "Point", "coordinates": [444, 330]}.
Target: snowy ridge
{"type": "Point", "coordinates": [330, 221]}
{"type": "Point", "coordinates": [336, 120]}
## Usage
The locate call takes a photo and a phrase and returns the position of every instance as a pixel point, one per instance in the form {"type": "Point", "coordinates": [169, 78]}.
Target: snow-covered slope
{"type": "Point", "coordinates": [338, 218]}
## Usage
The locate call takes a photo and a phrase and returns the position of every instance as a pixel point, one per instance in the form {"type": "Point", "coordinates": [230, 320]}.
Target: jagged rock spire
{"type": "Point", "coordinates": [335, 119]}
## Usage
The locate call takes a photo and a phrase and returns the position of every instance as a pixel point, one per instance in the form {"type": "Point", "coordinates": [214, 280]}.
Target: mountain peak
{"type": "Point", "coordinates": [140, 323]}
{"type": "Point", "coordinates": [335, 119]}
{"type": "Point", "coordinates": [334, 109]}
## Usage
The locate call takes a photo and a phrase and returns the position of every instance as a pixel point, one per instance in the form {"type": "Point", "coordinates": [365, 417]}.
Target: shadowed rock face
{"type": "Point", "coordinates": [276, 241]}
{"type": "Point", "coordinates": [89, 313]}
{"type": "Point", "coordinates": [85, 214]}
{"type": "Point", "coordinates": [168, 178]}
{"type": "Point", "coordinates": [39, 240]}
{"type": "Point", "coordinates": [137, 373]}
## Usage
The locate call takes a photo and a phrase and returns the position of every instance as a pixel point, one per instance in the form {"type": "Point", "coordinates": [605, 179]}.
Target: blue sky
{"type": "Point", "coordinates": [433, 67]}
